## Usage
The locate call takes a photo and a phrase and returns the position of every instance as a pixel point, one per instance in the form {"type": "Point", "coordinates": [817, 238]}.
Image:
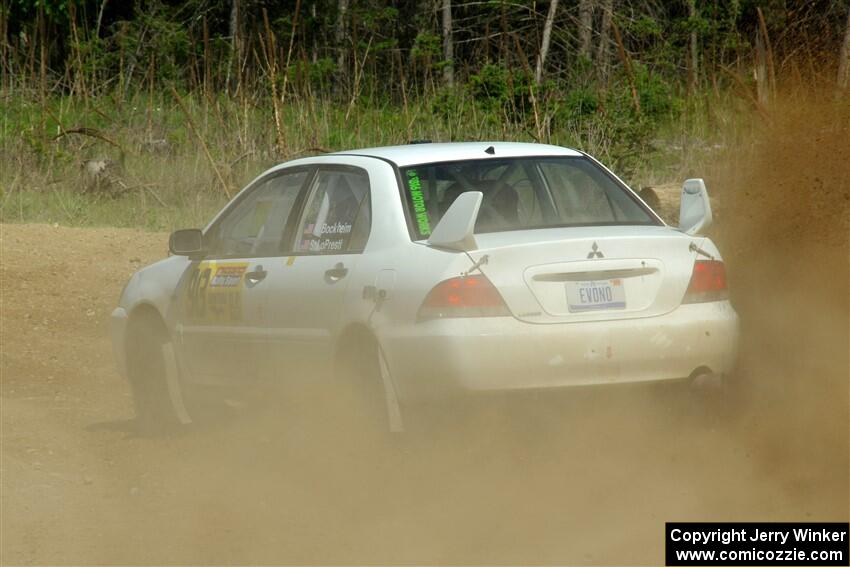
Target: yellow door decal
{"type": "Point", "coordinates": [215, 292]}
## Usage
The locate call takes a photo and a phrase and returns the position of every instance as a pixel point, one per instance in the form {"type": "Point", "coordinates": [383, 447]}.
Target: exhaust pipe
{"type": "Point", "coordinates": [705, 379]}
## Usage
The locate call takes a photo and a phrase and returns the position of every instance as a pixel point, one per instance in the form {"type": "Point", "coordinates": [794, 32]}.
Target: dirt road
{"type": "Point", "coordinates": [589, 480]}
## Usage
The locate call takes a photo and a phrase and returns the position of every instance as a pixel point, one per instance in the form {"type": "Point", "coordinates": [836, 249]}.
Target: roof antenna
{"type": "Point", "coordinates": [491, 150]}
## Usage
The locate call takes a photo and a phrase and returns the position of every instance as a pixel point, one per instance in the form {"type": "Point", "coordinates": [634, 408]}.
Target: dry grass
{"type": "Point", "coordinates": [174, 156]}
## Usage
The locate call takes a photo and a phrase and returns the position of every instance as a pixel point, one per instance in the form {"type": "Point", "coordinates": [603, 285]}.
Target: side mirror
{"type": "Point", "coordinates": [456, 229]}
{"type": "Point", "coordinates": [694, 208]}
{"type": "Point", "coordinates": [186, 242]}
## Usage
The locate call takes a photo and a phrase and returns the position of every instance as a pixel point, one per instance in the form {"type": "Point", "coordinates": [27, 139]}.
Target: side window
{"type": "Point", "coordinates": [337, 217]}
{"type": "Point", "coordinates": [255, 227]}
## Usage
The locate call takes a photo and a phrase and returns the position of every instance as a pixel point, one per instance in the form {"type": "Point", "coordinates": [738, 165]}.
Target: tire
{"type": "Point", "coordinates": [164, 401]}
{"type": "Point", "coordinates": [148, 349]}
{"type": "Point", "coordinates": [360, 393]}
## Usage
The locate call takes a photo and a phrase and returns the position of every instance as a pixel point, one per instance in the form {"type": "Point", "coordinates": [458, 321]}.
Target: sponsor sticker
{"type": "Point", "coordinates": [214, 294]}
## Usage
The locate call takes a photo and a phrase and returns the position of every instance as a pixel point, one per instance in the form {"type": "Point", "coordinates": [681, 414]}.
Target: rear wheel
{"type": "Point", "coordinates": [363, 388]}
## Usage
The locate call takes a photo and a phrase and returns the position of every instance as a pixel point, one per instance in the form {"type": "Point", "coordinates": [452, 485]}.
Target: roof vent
{"type": "Point", "coordinates": [491, 150]}
{"type": "Point", "coordinates": [419, 142]}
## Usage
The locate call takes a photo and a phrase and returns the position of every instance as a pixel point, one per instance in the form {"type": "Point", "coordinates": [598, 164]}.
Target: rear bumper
{"type": "Point", "coordinates": [117, 331]}
{"type": "Point", "coordinates": [454, 356]}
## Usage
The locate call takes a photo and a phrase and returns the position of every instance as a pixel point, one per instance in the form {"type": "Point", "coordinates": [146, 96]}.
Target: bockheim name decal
{"type": "Point", "coordinates": [804, 543]}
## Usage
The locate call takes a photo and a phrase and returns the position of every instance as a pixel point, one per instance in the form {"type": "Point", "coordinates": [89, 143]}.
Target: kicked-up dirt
{"type": "Point", "coordinates": [589, 479]}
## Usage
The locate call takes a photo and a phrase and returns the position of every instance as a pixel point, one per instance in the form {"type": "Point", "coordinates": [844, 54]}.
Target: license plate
{"type": "Point", "coordinates": [596, 295]}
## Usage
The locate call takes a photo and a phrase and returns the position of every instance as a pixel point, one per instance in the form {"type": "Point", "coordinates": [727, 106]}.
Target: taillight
{"type": "Point", "coordinates": [708, 282]}
{"type": "Point", "coordinates": [465, 296]}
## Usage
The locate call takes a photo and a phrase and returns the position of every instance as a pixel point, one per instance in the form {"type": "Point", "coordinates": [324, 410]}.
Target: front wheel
{"type": "Point", "coordinates": [163, 399]}
{"type": "Point", "coordinates": [154, 377]}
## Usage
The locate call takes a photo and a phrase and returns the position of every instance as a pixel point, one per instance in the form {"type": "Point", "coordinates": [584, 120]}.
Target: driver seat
{"type": "Point", "coordinates": [499, 198]}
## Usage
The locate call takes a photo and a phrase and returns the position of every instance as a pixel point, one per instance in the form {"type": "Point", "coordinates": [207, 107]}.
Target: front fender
{"type": "Point", "coordinates": [156, 285]}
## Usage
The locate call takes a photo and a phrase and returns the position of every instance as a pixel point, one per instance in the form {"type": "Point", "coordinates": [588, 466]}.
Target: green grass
{"type": "Point", "coordinates": [41, 178]}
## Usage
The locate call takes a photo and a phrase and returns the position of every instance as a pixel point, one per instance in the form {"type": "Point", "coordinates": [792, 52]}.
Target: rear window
{"type": "Point", "coordinates": [522, 193]}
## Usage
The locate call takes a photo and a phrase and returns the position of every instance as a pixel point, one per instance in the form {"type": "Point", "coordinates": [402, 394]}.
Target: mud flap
{"type": "Point", "coordinates": [172, 380]}
{"type": "Point", "coordinates": [394, 418]}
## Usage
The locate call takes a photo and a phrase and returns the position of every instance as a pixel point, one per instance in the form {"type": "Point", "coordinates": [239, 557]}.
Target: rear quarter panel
{"type": "Point", "coordinates": [404, 270]}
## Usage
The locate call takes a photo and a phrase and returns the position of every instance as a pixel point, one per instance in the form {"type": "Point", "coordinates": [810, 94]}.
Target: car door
{"type": "Point", "coordinates": [307, 288]}
{"type": "Point", "coordinates": [222, 317]}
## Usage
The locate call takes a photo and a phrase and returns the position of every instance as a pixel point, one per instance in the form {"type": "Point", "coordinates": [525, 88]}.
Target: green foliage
{"type": "Point", "coordinates": [627, 135]}
{"type": "Point", "coordinates": [447, 104]}
{"type": "Point", "coordinates": [377, 20]}
{"type": "Point", "coordinates": [645, 28]}
{"type": "Point", "coordinates": [161, 38]}
{"type": "Point", "coordinates": [372, 78]}
{"type": "Point", "coordinates": [579, 103]}
{"type": "Point", "coordinates": [42, 181]}
{"type": "Point", "coordinates": [56, 10]}
{"type": "Point", "coordinates": [319, 74]}
{"type": "Point", "coordinates": [506, 94]}
{"type": "Point", "coordinates": [657, 99]}
{"type": "Point", "coordinates": [426, 45]}
{"type": "Point", "coordinates": [489, 87]}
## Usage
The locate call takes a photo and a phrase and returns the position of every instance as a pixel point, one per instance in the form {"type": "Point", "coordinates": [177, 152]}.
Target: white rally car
{"type": "Point", "coordinates": [433, 269]}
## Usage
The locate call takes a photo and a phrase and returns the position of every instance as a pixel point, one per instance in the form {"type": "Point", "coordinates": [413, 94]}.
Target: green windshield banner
{"type": "Point", "coordinates": [420, 212]}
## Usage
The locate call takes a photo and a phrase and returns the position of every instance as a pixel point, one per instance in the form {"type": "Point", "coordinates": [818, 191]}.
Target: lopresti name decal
{"type": "Point", "coordinates": [804, 543]}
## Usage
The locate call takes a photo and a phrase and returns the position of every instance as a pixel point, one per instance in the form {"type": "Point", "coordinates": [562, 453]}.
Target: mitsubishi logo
{"type": "Point", "coordinates": [595, 252]}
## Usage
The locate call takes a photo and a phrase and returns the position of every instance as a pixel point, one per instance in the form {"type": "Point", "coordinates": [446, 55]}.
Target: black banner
{"type": "Point", "coordinates": [753, 543]}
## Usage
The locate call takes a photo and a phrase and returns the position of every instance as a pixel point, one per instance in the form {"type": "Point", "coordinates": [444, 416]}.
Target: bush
{"type": "Point", "coordinates": [657, 100]}
{"type": "Point", "coordinates": [489, 87]}
{"type": "Point", "coordinates": [578, 104]}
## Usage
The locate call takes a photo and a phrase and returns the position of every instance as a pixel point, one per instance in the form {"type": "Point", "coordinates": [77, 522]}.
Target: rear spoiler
{"type": "Point", "coordinates": [455, 230]}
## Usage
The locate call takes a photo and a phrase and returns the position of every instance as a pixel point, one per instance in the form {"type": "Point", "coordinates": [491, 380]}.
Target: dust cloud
{"type": "Point", "coordinates": [785, 234]}
{"type": "Point", "coordinates": [584, 477]}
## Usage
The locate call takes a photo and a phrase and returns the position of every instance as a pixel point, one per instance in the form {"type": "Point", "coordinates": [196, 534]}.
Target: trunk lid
{"type": "Point", "coordinates": [580, 274]}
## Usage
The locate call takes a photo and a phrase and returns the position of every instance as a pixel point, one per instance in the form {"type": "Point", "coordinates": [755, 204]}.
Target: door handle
{"type": "Point", "coordinates": [255, 277]}
{"type": "Point", "coordinates": [336, 273]}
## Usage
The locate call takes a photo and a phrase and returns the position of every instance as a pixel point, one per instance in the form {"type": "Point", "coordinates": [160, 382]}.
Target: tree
{"type": "Point", "coordinates": [234, 65]}
{"type": "Point", "coordinates": [585, 31]}
{"type": "Point", "coordinates": [544, 45]}
{"type": "Point", "coordinates": [602, 49]}
{"type": "Point", "coordinates": [693, 67]}
{"type": "Point", "coordinates": [341, 41]}
{"type": "Point", "coordinates": [448, 44]}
